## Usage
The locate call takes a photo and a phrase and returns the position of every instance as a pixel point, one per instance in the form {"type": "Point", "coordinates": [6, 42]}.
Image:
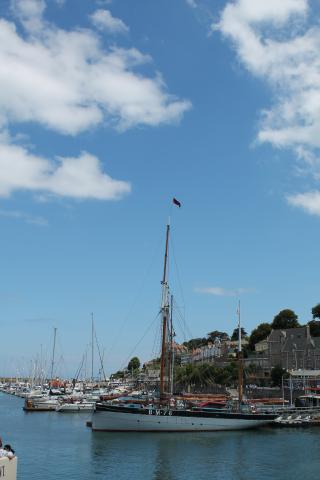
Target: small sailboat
{"type": "Point", "coordinates": [167, 415]}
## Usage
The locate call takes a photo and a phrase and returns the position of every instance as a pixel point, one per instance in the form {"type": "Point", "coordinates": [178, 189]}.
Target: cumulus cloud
{"type": "Point", "coordinates": [278, 42]}
{"type": "Point", "coordinates": [222, 292]}
{"type": "Point", "coordinates": [29, 12]}
{"type": "Point", "coordinates": [103, 20]}
{"type": "Point", "coordinates": [80, 178]}
{"type": "Point", "coordinates": [309, 201]}
{"type": "Point", "coordinates": [66, 81]}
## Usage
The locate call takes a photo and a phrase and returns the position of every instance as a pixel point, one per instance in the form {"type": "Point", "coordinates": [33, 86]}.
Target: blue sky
{"type": "Point", "coordinates": [108, 109]}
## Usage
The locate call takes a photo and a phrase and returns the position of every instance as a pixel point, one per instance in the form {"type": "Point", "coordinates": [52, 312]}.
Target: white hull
{"type": "Point", "coordinates": [136, 422]}
{"type": "Point", "coordinates": [40, 406]}
{"type": "Point", "coordinates": [75, 408]}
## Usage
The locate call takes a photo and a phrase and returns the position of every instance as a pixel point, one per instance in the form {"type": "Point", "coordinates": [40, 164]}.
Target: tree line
{"type": "Point", "coordinates": [286, 318]}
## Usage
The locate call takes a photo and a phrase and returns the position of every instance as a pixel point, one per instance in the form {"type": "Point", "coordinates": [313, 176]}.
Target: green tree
{"type": "Point", "coordinates": [216, 334]}
{"type": "Point", "coordinates": [118, 374]}
{"type": "Point", "coordinates": [259, 333]}
{"type": "Point", "coordinates": [235, 334]}
{"type": "Point", "coordinates": [188, 376]}
{"type": "Point", "coordinates": [314, 328]}
{"type": "Point", "coordinates": [285, 319]}
{"type": "Point", "coordinates": [192, 376]}
{"type": "Point", "coordinates": [316, 311]}
{"type": "Point", "coordinates": [134, 364]}
{"type": "Point", "coordinates": [227, 375]}
{"type": "Point", "coordinates": [195, 343]}
{"type": "Point", "coordinates": [276, 375]}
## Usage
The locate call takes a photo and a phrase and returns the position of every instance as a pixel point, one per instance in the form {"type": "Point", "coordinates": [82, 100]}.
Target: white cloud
{"type": "Point", "coordinates": [80, 178]}
{"type": "Point", "coordinates": [222, 292]}
{"type": "Point", "coordinates": [191, 3]}
{"type": "Point", "coordinates": [65, 80]}
{"type": "Point", "coordinates": [26, 217]}
{"type": "Point", "coordinates": [103, 20]}
{"type": "Point", "coordinates": [29, 12]}
{"type": "Point", "coordinates": [309, 201]}
{"type": "Point", "coordinates": [276, 41]}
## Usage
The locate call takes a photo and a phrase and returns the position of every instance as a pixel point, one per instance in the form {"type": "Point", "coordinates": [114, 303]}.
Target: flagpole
{"type": "Point", "coordinates": [240, 360]}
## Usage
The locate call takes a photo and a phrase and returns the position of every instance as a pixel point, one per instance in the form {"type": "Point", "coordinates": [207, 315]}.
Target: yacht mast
{"type": "Point", "coordinates": [165, 316]}
{"type": "Point", "coordinates": [92, 347]}
{"type": "Point", "coordinates": [172, 334]}
{"type": "Point", "coordinates": [240, 372]}
{"type": "Point", "coordinates": [53, 351]}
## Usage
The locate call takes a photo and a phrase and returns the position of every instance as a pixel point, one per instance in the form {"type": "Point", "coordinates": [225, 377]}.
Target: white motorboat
{"type": "Point", "coordinates": [42, 404]}
{"type": "Point", "coordinates": [76, 407]}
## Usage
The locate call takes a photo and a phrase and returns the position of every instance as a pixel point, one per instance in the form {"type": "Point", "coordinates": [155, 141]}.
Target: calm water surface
{"type": "Point", "coordinates": [52, 445]}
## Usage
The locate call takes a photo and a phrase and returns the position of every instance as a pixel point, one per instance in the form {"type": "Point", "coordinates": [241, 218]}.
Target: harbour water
{"type": "Point", "coordinates": [52, 445]}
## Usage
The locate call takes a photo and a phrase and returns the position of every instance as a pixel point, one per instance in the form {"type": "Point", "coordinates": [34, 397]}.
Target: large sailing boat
{"type": "Point", "coordinates": [164, 416]}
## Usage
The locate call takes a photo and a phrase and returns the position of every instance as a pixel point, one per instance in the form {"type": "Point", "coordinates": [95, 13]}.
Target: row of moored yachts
{"type": "Point", "coordinates": [68, 399]}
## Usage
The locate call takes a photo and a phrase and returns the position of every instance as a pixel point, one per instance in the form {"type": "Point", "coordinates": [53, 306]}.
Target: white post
{"type": "Point", "coordinates": [291, 393]}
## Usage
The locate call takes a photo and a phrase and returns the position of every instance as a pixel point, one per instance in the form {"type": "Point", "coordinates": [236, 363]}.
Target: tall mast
{"type": "Point", "coordinates": [165, 316]}
{"type": "Point", "coordinates": [53, 351]}
{"type": "Point", "coordinates": [172, 334]}
{"type": "Point", "coordinates": [169, 346]}
{"type": "Point", "coordinates": [240, 371]}
{"type": "Point", "coordinates": [92, 346]}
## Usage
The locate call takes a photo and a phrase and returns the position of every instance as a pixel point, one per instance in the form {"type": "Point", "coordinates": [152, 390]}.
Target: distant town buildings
{"type": "Point", "coordinates": [205, 354]}
{"type": "Point", "coordinates": [292, 349]}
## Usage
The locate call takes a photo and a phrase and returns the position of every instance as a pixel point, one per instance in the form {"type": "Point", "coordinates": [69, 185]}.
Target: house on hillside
{"type": "Point", "coordinates": [206, 354]}
{"type": "Point", "coordinates": [262, 346]}
{"type": "Point", "coordinates": [293, 349]}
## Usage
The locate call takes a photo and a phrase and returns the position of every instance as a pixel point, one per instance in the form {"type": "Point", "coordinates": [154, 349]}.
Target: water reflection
{"type": "Point", "coordinates": [162, 467]}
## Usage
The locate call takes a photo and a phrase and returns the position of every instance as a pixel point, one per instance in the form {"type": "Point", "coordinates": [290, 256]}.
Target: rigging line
{"type": "Point", "coordinates": [135, 300]}
{"type": "Point", "coordinates": [177, 271]}
{"type": "Point", "coordinates": [57, 366]}
{"type": "Point", "coordinates": [156, 344]}
{"type": "Point", "coordinates": [100, 357]}
{"type": "Point", "coordinates": [179, 281]}
{"type": "Point", "coordinates": [180, 326]}
{"type": "Point", "coordinates": [182, 329]}
{"type": "Point", "coordinates": [142, 338]}
{"type": "Point", "coordinates": [78, 371]}
{"type": "Point", "coordinates": [79, 368]}
{"type": "Point", "coordinates": [182, 317]}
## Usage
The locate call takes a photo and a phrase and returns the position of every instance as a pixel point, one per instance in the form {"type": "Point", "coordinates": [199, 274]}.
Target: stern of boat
{"type": "Point", "coordinates": [8, 468]}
